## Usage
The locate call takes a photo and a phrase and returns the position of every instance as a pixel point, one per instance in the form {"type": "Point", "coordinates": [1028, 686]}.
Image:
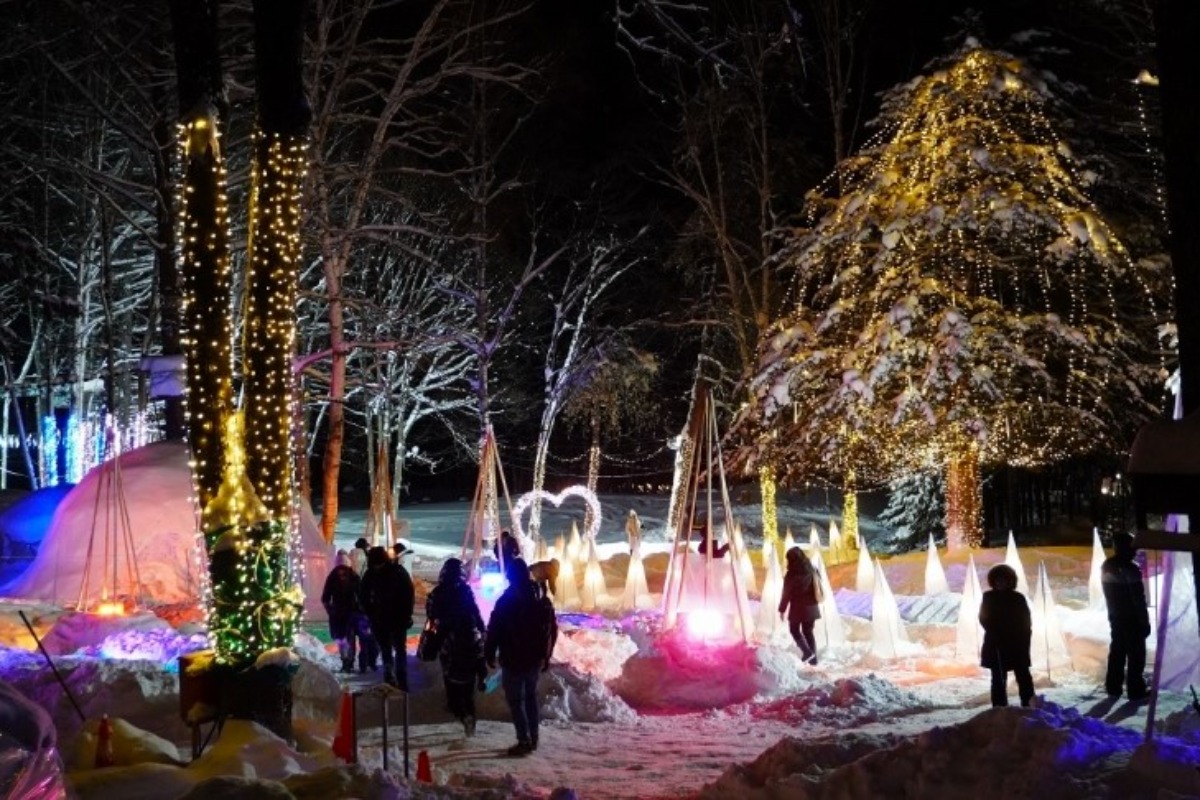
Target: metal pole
{"type": "Point", "coordinates": [406, 734]}
{"type": "Point", "coordinates": [53, 668]}
{"type": "Point", "coordinates": [383, 703]}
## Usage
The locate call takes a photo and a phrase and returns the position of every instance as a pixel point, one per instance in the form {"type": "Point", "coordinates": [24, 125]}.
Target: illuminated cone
{"type": "Point", "coordinates": [814, 540]}
{"type": "Point", "coordinates": [789, 541]}
{"type": "Point", "coordinates": [594, 589]}
{"type": "Point", "coordinates": [540, 552]}
{"type": "Point", "coordinates": [1013, 559]}
{"type": "Point", "coordinates": [829, 629]}
{"type": "Point", "coordinates": [969, 635]}
{"type": "Point", "coordinates": [744, 562]}
{"type": "Point", "coordinates": [424, 768]}
{"type": "Point", "coordinates": [837, 548]}
{"type": "Point", "coordinates": [935, 576]}
{"type": "Point", "coordinates": [1095, 589]}
{"type": "Point", "coordinates": [1048, 648]}
{"type": "Point", "coordinates": [566, 594]}
{"type": "Point", "coordinates": [576, 552]}
{"type": "Point", "coordinates": [865, 579]}
{"type": "Point", "coordinates": [343, 742]}
{"type": "Point", "coordinates": [768, 614]}
{"type": "Point", "coordinates": [637, 593]}
{"type": "Point", "coordinates": [887, 629]}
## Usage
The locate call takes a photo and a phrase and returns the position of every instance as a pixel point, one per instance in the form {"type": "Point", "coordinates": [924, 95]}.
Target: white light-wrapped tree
{"type": "Point", "coordinates": [961, 303]}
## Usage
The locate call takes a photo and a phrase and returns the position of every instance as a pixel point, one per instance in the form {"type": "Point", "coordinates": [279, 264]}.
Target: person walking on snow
{"type": "Point", "coordinates": [388, 597]}
{"type": "Point", "coordinates": [340, 597]}
{"type": "Point", "coordinates": [800, 599]}
{"type": "Point", "coordinates": [358, 556]}
{"type": "Point", "coordinates": [1128, 620]}
{"type": "Point", "coordinates": [633, 531]}
{"type": "Point", "coordinates": [1007, 634]}
{"type": "Point", "coordinates": [451, 607]}
{"type": "Point", "coordinates": [523, 630]}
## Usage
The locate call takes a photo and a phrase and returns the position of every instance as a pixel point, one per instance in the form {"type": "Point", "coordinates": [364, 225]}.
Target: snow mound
{"type": "Point", "coordinates": [862, 700]}
{"type": "Point", "coordinates": [675, 673]}
{"type": "Point", "coordinates": [595, 651]}
{"type": "Point", "coordinates": [1000, 753]}
{"type": "Point", "coordinates": [579, 697]}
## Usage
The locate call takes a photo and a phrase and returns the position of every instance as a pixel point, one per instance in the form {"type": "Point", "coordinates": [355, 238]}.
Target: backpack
{"type": "Point", "coordinates": [547, 623]}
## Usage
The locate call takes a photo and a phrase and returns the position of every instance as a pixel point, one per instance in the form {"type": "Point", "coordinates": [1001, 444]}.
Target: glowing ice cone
{"type": "Point", "coordinates": [540, 552]}
{"type": "Point", "coordinates": [1095, 587]}
{"type": "Point", "coordinates": [560, 551]}
{"type": "Point", "coordinates": [1048, 649]}
{"type": "Point", "coordinates": [829, 629]}
{"type": "Point", "coordinates": [769, 553]}
{"type": "Point", "coordinates": [637, 594]}
{"type": "Point", "coordinates": [968, 640]}
{"type": "Point", "coordinates": [767, 621]}
{"type": "Point", "coordinates": [789, 541]}
{"type": "Point", "coordinates": [575, 550]}
{"type": "Point", "coordinates": [594, 590]}
{"type": "Point", "coordinates": [837, 548]}
{"type": "Point", "coordinates": [814, 540]}
{"type": "Point", "coordinates": [935, 576]}
{"type": "Point", "coordinates": [566, 595]}
{"type": "Point", "coordinates": [887, 629]}
{"type": "Point", "coordinates": [744, 562]}
{"type": "Point", "coordinates": [865, 579]}
{"type": "Point", "coordinates": [1013, 559]}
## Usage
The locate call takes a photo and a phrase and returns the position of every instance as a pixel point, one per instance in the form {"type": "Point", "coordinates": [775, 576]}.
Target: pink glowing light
{"type": "Point", "coordinates": [704, 624]}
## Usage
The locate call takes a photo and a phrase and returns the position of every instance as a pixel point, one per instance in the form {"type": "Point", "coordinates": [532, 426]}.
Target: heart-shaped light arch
{"type": "Point", "coordinates": [582, 492]}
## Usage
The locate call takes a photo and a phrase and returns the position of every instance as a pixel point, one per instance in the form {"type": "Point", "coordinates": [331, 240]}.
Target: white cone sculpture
{"type": "Point", "coordinates": [968, 641]}
{"type": "Point", "coordinates": [768, 552]}
{"type": "Point", "coordinates": [1095, 587]}
{"type": "Point", "coordinates": [747, 566]}
{"type": "Point", "coordinates": [829, 630]}
{"type": "Point", "coordinates": [560, 549]}
{"type": "Point", "coordinates": [814, 540]}
{"type": "Point", "coordinates": [1048, 649]}
{"type": "Point", "coordinates": [576, 551]}
{"type": "Point", "coordinates": [637, 593]}
{"type": "Point", "coordinates": [767, 622]}
{"type": "Point", "coordinates": [540, 551]}
{"type": "Point", "coordinates": [865, 578]}
{"type": "Point", "coordinates": [887, 629]}
{"type": "Point", "coordinates": [837, 548]}
{"type": "Point", "coordinates": [566, 594]}
{"type": "Point", "coordinates": [789, 541]}
{"type": "Point", "coordinates": [1013, 559]}
{"type": "Point", "coordinates": [935, 575]}
{"type": "Point", "coordinates": [594, 590]}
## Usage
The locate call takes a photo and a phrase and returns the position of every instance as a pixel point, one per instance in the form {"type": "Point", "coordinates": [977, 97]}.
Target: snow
{"type": "Point", "coordinates": [632, 711]}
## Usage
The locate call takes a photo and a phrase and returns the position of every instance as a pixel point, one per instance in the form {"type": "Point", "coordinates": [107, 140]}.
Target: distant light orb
{"type": "Point", "coordinates": [491, 584]}
{"type": "Point", "coordinates": [705, 624]}
{"type": "Point", "coordinates": [110, 608]}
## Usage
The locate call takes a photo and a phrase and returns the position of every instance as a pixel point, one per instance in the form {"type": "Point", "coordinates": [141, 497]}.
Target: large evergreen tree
{"type": "Point", "coordinates": [960, 303]}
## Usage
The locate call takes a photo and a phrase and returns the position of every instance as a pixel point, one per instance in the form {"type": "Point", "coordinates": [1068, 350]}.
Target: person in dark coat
{"type": "Point", "coordinates": [800, 600]}
{"type": "Point", "coordinates": [523, 630]}
{"type": "Point", "coordinates": [506, 548]}
{"type": "Point", "coordinates": [451, 607]}
{"type": "Point", "coordinates": [1128, 620]}
{"type": "Point", "coordinates": [340, 597]}
{"type": "Point", "coordinates": [1007, 633]}
{"type": "Point", "coordinates": [388, 597]}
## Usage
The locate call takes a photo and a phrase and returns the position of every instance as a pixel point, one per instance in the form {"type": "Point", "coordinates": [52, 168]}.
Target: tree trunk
{"type": "Point", "coordinates": [964, 527]}
{"type": "Point", "coordinates": [170, 296]}
{"type": "Point", "coordinates": [331, 465]}
{"type": "Point", "coordinates": [1177, 25]}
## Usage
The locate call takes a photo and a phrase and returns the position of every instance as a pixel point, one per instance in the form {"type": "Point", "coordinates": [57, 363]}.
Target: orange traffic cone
{"type": "Point", "coordinates": [104, 746]}
{"type": "Point", "coordinates": [343, 741]}
{"type": "Point", "coordinates": [424, 769]}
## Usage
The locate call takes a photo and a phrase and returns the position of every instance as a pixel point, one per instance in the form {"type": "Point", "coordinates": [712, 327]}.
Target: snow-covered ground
{"type": "Point", "coordinates": [632, 711]}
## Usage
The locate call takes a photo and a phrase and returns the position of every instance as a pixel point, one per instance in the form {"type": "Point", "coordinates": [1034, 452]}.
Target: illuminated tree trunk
{"type": "Point", "coordinates": [204, 245]}
{"type": "Point", "coordinates": [331, 464]}
{"type": "Point", "coordinates": [964, 499]}
{"type": "Point", "coordinates": [770, 516]}
{"type": "Point", "coordinates": [850, 510]}
{"type": "Point", "coordinates": [593, 473]}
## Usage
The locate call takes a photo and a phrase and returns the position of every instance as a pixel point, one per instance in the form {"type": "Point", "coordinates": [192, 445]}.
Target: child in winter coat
{"type": "Point", "coordinates": [1007, 633]}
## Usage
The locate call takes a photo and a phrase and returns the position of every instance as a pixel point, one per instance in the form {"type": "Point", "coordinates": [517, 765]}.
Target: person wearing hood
{"type": "Point", "coordinates": [452, 609]}
{"type": "Point", "coordinates": [1007, 635]}
{"type": "Point", "coordinates": [800, 600]}
{"type": "Point", "coordinates": [358, 556]}
{"type": "Point", "coordinates": [388, 597]}
{"type": "Point", "coordinates": [341, 602]}
{"type": "Point", "coordinates": [1128, 620]}
{"type": "Point", "coordinates": [523, 631]}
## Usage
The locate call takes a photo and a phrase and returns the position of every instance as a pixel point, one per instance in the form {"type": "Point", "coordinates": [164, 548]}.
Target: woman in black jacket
{"type": "Point", "coordinates": [1007, 633]}
{"type": "Point", "coordinates": [801, 601]}
{"type": "Point", "coordinates": [452, 608]}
